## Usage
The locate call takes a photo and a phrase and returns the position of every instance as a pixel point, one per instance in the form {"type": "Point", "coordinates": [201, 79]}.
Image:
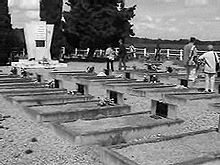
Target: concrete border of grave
{"type": "Point", "coordinates": [209, 157]}
{"type": "Point", "coordinates": [49, 100]}
{"type": "Point", "coordinates": [216, 108]}
{"type": "Point", "coordinates": [85, 114]}
{"type": "Point", "coordinates": [14, 80]}
{"type": "Point", "coordinates": [110, 157]}
{"type": "Point", "coordinates": [21, 85]}
{"type": "Point", "coordinates": [177, 99]}
{"type": "Point", "coordinates": [28, 90]}
{"type": "Point", "coordinates": [167, 110]}
{"type": "Point", "coordinates": [75, 132]}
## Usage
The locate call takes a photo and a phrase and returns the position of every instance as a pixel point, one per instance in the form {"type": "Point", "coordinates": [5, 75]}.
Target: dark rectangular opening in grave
{"type": "Point", "coordinates": [113, 95]}
{"type": "Point", "coordinates": [218, 74]}
{"type": "Point", "coordinates": [218, 89]}
{"type": "Point", "coordinates": [56, 83]}
{"type": "Point", "coordinates": [80, 89]}
{"type": "Point", "coordinates": [106, 71]}
{"type": "Point", "coordinates": [184, 82]}
{"type": "Point", "coordinates": [162, 109]}
{"type": "Point", "coordinates": [38, 78]}
{"type": "Point", "coordinates": [127, 75]}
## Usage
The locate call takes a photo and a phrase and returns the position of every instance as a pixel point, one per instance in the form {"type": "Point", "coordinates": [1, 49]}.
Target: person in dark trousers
{"type": "Point", "coordinates": [122, 53]}
{"type": "Point", "coordinates": [189, 58]}
{"type": "Point", "coordinates": [157, 55]}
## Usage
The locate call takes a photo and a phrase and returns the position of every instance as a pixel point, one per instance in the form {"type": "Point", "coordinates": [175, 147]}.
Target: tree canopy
{"type": "Point", "coordinates": [97, 23]}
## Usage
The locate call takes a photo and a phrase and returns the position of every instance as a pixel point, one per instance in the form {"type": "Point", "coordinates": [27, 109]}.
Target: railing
{"type": "Point", "coordinates": [140, 52]}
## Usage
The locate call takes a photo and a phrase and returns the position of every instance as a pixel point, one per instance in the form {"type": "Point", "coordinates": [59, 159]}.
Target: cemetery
{"type": "Point", "coordinates": [161, 115]}
{"type": "Point", "coordinates": [149, 113]}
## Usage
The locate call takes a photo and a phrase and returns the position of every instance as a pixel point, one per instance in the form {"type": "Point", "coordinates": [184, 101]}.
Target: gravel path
{"type": "Point", "coordinates": [25, 142]}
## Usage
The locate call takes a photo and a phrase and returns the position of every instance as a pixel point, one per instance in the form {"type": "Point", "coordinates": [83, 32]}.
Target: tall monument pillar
{"type": "Point", "coordinates": [38, 36]}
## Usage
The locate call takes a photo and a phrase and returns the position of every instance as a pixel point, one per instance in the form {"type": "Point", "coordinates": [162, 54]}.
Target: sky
{"type": "Point", "coordinates": [165, 19]}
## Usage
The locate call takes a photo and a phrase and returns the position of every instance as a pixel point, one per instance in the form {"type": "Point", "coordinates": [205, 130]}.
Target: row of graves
{"type": "Point", "coordinates": [135, 116]}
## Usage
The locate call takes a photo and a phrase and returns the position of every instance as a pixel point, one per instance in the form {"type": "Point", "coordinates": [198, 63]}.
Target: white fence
{"type": "Point", "coordinates": [140, 52]}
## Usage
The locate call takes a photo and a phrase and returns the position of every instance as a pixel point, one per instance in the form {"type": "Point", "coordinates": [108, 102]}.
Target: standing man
{"type": "Point", "coordinates": [122, 53]}
{"type": "Point", "coordinates": [110, 54]}
{"type": "Point", "coordinates": [210, 59]}
{"type": "Point", "coordinates": [189, 58]}
{"type": "Point", "coordinates": [158, 51]}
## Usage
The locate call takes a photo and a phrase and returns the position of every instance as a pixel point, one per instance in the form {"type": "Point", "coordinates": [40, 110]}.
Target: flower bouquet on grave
{"type": "Point", "coordinates": [106, 102]}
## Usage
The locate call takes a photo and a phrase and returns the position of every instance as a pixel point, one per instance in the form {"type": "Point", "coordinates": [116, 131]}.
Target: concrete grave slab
{"type": "Point", "coordinates": [200, 148]}
{"type": "Point", "coordinates": [29, 91]}
{"type": "Point", "coordinates": [77, 110]}
{"type": "Point", "coordinates": [51, 99]}
{"type": "Point", "coordinates": [126, 86]}
{"type": "Point", "coordinates": [8, 76]}
{"type": "Point", "coordinates": [21, 85]}
{"type": "Point", "coordinates": [95, 85]}
{"type": "Point", "coordinates": [111, 131]}
{"type": "Point", "coordinates": [53, 91]}
{"type": "Point", "coordinates": [14, 80]}
{"type": "Point", "coordinates": [183, 98]}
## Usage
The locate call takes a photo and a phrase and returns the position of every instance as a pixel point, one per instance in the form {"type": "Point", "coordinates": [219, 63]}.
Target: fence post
{"type": "Point", "coordinates": [145, 52]}
{"type": "Point", "coordinates": [155, 51]}
{"type": "Point", "coordinates": [100, 52]}
{"type": "Point", "coordinates": [181, 54]}
{"type": "Point", "coordinates": [168, 53]}
{"type": "Point", "coordinates": [76, 51]}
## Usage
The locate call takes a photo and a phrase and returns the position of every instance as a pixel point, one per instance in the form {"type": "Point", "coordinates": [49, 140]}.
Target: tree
{"type": "Point", "coordinates": [51, 12]}
{"type": "Point", "coordinates": [5, 30]}
{"type": "Point", "coordinates": [97, 23]}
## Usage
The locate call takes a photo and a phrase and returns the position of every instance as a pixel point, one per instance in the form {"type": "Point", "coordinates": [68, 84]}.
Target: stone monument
{"type": "Point", "coordinates": [38, 37]}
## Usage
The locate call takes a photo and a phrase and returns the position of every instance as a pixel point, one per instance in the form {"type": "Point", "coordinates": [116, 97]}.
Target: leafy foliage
{"type": "Point", "coordinates": [97, 23]}
{"type": "Point", "coordinates": [5, 30]}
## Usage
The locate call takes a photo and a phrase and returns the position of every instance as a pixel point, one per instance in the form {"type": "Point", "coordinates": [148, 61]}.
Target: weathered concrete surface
{"type": "Point", "coordinates": [110, 157]}
{"type": "Point", "coordinates": [183, 98]}
{"type": "Point", "coordinates": [51, 99]}
{"type": "Point", "coordinates": [20, 85]}
{"type": "Point", "coordinates": [78, 110]}
{"type": "Point", "coordinates": [160, 89]}
{"type": "Point", "coordinates": [95, 85]}
{"type": "Point", "coordinates": [175, 151]}
{"type": "Point", "coordinates": [14, 80]}
{"type": "Point", "coordinates": [8, 76]}
{"type": "Point", "coordinates": [37, 93]}
{"type": "Point", "coordinates": [124, 87]}
{"type": "Point", "coordinates": [29, 91]}
{"type": "Point", "coordinates": [113, 130]}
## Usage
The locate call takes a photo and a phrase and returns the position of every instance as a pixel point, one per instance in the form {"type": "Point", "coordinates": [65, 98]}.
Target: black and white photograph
{"type": "Point", "coordinates": [109, 82]}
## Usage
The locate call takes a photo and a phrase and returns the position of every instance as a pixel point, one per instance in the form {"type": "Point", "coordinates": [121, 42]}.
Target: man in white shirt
{"type": "Point", "coordinates": [210, 58]}
{"type": "Point", "coordinates": [110, 54]}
